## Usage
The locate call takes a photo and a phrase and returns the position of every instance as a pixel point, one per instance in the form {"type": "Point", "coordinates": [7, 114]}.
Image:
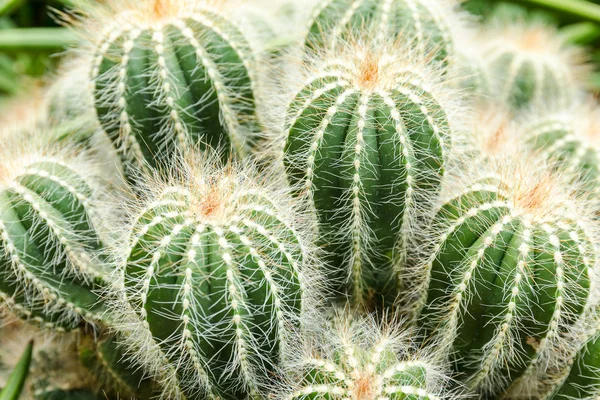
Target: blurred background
{"type": "Point", "coordinates": [32, 40]}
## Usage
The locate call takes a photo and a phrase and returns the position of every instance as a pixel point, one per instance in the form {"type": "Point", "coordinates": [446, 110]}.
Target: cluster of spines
{"type": "Point", "coordinates": [213, 273]}
{"type": "Point", "coordinates": [356, 357]}
{"type": "Point", "coordinates": [177, 78]}
{"type": "Point", "coordinates": [50, 241]}
{"type": "Point", "coordinates": [366, 138]}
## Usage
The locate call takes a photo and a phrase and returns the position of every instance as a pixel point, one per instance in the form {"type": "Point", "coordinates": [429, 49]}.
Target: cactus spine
{"type": "Point", "coordinates": [212, 272]}
{"type": "Point", "coordinates": [529, 63]}
{"type": "Point", "coordinates": [430, 22]}
{"type": "Point", "coordinates": [511, 273]}
{"type": "Point", "coordinates": [49, 239]}
{"type": "Point", "coordinates": [354, 357]}
{"type": "Point", "coordinates": [570, 138]}
{"type": "Point", "coordinates": [170, 74]}
{"type": "Point", "coordinates": [366, 139]}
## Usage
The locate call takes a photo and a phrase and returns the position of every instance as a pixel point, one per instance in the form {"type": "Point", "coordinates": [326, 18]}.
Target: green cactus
{"type": "Point", "coordinates": [49, 236]}
{"type": "Point", "coordinates": [530, 64]}
{"type": "Point", "coordinates": [213, 276]}
{"type": "Point", "coordinates": [510, 272]}
{"type": "Point", "coordinates": [432, 23]}
{"type": "Point", "coordinates": [366, 138]}
{"type": "Point", "coordinates": [569, 137]}
{"type": "Point", "coordinates": [168, 75]}
{"type": "Point", "coordinates": [355, 357]}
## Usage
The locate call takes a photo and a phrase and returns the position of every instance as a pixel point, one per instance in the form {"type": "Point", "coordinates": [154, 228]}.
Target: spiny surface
{"type": "Point", "coordinates": [366, 133]}
{"type": "Point", "coordinates": [213, 272]}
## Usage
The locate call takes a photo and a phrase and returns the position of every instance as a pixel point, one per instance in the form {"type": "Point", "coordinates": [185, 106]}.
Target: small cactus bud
{"type": "Point", "coordinates": [167, 75]}
{"type": "Point", "coordinates": [357, 358]}
{"type": "Point", "coordinates": [366, 137]}
{"type": "Point", "coordinates": [214, 274]}
{"type": "Point", "coordinates": [530, 63]}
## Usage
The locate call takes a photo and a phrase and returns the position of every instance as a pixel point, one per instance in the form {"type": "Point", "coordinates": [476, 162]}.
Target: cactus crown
{"type": "Point", "coordinates": [214, 270]}
{"type": "Point", "coordinates": [355, 357]}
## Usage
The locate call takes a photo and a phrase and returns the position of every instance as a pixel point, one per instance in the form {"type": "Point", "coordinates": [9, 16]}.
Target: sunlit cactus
{"type": "Point", "coordinates": [355, 357]}
{"type": "Point", "coordinates": [568, 136]}
{"type": "Point", "coordinates": [432, 23]}
{"type": "Point", "coordinates": [168, 75]}
{"type": "Point", "coordinates": [51, 234]}
{"type": "Point", "coordinates": [214, 273]}
{"type": "Point", "coordinates": [510, 272]}
{"type": "Point", "coordinates": [367, 133]}
{"type": "Point", "coordinates": [530, 63]}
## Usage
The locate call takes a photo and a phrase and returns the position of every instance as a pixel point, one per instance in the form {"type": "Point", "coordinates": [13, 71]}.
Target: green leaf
{"type": "Point", "coordinates": [15, 383]}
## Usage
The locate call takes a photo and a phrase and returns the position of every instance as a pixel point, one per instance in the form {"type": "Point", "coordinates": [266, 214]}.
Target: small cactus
{"type": "Point", "coordinates": [49, 233]}
{"type": "Point", "coordinates": [168, 75]}
{"type": "Point", "coordinates": [530, 64]}
{"type": "Point", "coordinates": [213, 273]}
{"type": "Point", "coordinates": [366, 140]}
{"type": "Point", "coordinates": [355, 357]}
{"type": "Point", "coordinates": [568, 136]}
{"type": "Point", "coordinates": [431, 22]}
{"type": "Point", "coordinates": [510, 272]}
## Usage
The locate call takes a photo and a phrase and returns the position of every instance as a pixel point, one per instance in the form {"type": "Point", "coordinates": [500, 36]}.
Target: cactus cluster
{"type": "Point", "coordinates": [338, 199]}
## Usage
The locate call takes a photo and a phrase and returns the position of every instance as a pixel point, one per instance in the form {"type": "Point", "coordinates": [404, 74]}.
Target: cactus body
{"type": "Point", "coordinates": [48, 237]}
{"type": "Point", "coordinates": [366, 141]}
{"type": "Point", "coordinates": [213, 275]}
{"type": "Point", "coordinates": [167, 75]}
{"type": "Point", "coordinates": [430, 22]}
{"type": "Point", "coordinates": [357, 358]}
{"type": "Point", "coordinates": [568, 137]}
{"type": "Point", "coordinates": [530, 64]}
{"type": "Point", "coordinates": [510, 275]}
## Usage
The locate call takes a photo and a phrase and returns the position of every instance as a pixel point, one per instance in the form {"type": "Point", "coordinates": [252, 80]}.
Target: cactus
{"type": "Point", "coordinates": [213, 272]}
{"type": "Point", "coordinates": [567, 136]}
{"type": "Point", "coordinates": [366, 138]}
{"type": "Point", "coordinates": [355, 357]}
{"type": "Point", "coordinates": [510, 271]}
{"type": "Point", "coordinates": [49, 232]}
{"type": "Point", "coordinates": [432, 23]}
{"type": "Point", "coordinates": [530, 64]}
{"type": "Point", "coordinates": [169, 74]}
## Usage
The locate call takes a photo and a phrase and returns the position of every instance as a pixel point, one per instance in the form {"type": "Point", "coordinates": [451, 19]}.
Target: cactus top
{"type": "Point", "coordinates": [432, 24]}
{"type": "Point", "coordinates": [214, 270]}
{"type": "Point", "coordinates": [167, 75]}
{"type": "Point", "coordinates": [50, 234]}
{"type": "Point", "coordinates": [367, 134]}
{"type": "Point", "coordinates": [530, 63]}
{"type": "Point", "coordinates": [356, 358]}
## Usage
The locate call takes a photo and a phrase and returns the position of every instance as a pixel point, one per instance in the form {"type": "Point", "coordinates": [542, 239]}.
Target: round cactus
{"type": "Point", "coordinates": [366, 137]}
{"type": "Point", "coordinates": [213, 273]}
{"type": "Point", "coordinates": [49, 236]}
{"type": "Point", "coordinates": [510, 274]}
{"type": "Point", "coordinates": [170, 74]}
{"type": "Point", "coordinates": [530, 63]}
{"type": "Point", "coordinates": [568, 136]}
{"type": "Point", "coordinates": [356, 358]}
{"type": "Point", "coordinates": [432, 23]}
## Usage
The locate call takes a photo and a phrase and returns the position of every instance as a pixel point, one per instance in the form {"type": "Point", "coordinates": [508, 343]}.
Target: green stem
{"type": "Point", "coordinates": [581, 33]}
{"type": "Point", "coordinates": [36, 39]}
{"type": "Point", "coordinates": [8, 6]}
{"type": "Point", "coordinates": [16, 380]}
{"type": "Point", "coordinates": [579, 8]}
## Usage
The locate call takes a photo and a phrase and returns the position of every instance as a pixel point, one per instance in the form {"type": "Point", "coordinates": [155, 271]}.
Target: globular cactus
{"type": "Point", "coordinates": [530, 63]}
{"type": "Point", "coordinates": [169, 74]}
{"type": "Point", "coordinates": [569, 137]}
{"type": "Point", "coordinates": [432, 23]}
{"type": "Point", "coordinates": [354, 357]}
{"type": "Point", "coordinates": [510, 272]}
{"type": "Point", "coordinates": [50, 232]}
{"type": "Point", "coordinates": [367, 134]}
{"type": "Point", "coordinates": [213, 273]}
